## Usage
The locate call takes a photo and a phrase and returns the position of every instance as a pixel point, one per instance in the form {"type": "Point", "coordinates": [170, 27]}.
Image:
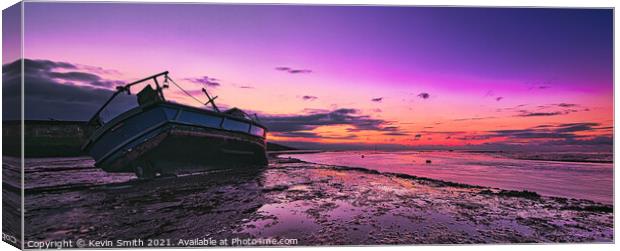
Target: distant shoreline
{"type": "Point", "coordinates": [54, 138]}
{"type": "Point", "coordinates": [571, 161]}
{"type": "Point", "coordinates": [506, 154]}
{"type": "Point", "coordinates": [278, 153]}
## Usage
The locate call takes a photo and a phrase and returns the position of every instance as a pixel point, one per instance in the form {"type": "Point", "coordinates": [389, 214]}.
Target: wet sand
{"type": "Point", "coordinates": [315, 204]}
{"type": "Point", "coordinates": [550, 177]}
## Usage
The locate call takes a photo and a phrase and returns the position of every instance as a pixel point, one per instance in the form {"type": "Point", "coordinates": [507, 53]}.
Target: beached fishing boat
{"type": "Point", "coordinates": [163, 137]}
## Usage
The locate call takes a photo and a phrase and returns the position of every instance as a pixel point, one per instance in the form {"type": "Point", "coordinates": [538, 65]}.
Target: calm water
{"type": "Point", "coordinates": [593, 181]}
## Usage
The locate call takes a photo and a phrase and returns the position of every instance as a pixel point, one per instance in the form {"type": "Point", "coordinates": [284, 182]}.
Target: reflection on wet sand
{"type": "Point", "coordinates": [572, 175]}
{"type": "Point", "coordinates": [316, 204]}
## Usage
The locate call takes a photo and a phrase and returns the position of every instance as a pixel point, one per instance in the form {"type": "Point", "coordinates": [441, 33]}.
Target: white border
{"type": "Point", "coordinates": [521, 3]}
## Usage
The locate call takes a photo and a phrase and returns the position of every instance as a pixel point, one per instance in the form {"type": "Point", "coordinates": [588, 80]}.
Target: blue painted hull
{"type": "Point", "coordinates": [168, 138]}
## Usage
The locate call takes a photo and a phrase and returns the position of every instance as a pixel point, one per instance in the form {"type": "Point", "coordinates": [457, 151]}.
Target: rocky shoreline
{"type": "Point", "coordinates": [314, 204]}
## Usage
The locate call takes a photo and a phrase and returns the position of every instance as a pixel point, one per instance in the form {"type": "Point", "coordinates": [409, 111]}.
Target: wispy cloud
{"type": "Point", "coordinates": [285, 125]}
{"type": "Point", "coordinates": [309, 98]}
{"type": "Point", "coordinates": [566, 105]}
{"type": "Point", "coordinates": [512, 108]}
{"type": "Point", "coordinates": [489, 93]}
{"type": "Point", "coordinates": [424, 95]}
{"type": "Point", "coordinates": [205, 80]}
{"type": "Point", "coordinates": [378, 100]}
{"type": "Point", "coordinates": [473, 118]}
{"type": "Point", "coordinates": [292, 70]}
{"type": "Point", "coordinates": [541, 85]}
{"type": "Point", "coordinates": [525, 113]}
{"type": "Point", "coordinates": [395, 133]}
{"type": "Point", "coordinates": [551, 110]}
{"type": "Point", "coordinates": [75, 76]}
{"type": "Point", "coordinates": [556, 109]}
{"type": "Point", "coordinates": [314, 135]}
{"type": "Point", "coordinates": [567, 131]}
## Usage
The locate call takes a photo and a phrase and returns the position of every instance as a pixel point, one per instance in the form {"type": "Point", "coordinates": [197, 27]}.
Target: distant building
{"type": "Point", "coordinates": [45, 138]}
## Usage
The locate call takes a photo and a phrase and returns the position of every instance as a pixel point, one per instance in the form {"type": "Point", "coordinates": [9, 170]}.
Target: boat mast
{"type": "Point", "coordinates": [95, 119]}
{"type": "Point", "coordinates": [211, 100]}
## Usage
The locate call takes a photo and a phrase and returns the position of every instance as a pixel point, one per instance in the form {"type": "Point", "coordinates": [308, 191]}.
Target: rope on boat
{"type": "Point", "coordinates": [184, 91]}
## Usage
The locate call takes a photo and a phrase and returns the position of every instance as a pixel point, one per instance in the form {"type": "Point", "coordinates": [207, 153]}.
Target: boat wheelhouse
{"type": "Point", "coordinates": [162, 137]}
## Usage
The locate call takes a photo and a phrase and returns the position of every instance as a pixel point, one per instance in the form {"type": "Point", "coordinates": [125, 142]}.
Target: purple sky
{"type": "Point", "coordinates": [502, 43]}
{"type": "Point", "coordinates": [471, 62]}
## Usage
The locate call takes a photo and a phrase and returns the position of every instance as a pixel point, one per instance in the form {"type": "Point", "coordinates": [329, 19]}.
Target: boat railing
{"type": "Point", "coordinates": [96, 118]}
{"type": "Point", "coordinates": [233, 114]}
{"type": "Point", "coordinates": [159, 91]}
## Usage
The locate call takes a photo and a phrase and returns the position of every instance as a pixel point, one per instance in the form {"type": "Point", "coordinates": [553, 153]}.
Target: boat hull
{"type": "Point", "coordinates": [178, 148]}
{"type": "Point", "coordinates": [173, 139]}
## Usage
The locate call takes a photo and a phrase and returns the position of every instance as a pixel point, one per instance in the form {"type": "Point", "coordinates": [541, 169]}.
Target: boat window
{"type": "Point", "coordinates": [258, 131]}
{"type": "Point", "coordinates": [234, 125]}
{"type": "Point", "coordinates": [199, 119]}
{"type": "Point", "coordinates": [117, 107]}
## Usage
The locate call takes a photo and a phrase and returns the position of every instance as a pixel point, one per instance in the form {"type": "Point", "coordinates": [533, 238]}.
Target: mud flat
{"type": "Point", "coordinates": [315, 204]}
